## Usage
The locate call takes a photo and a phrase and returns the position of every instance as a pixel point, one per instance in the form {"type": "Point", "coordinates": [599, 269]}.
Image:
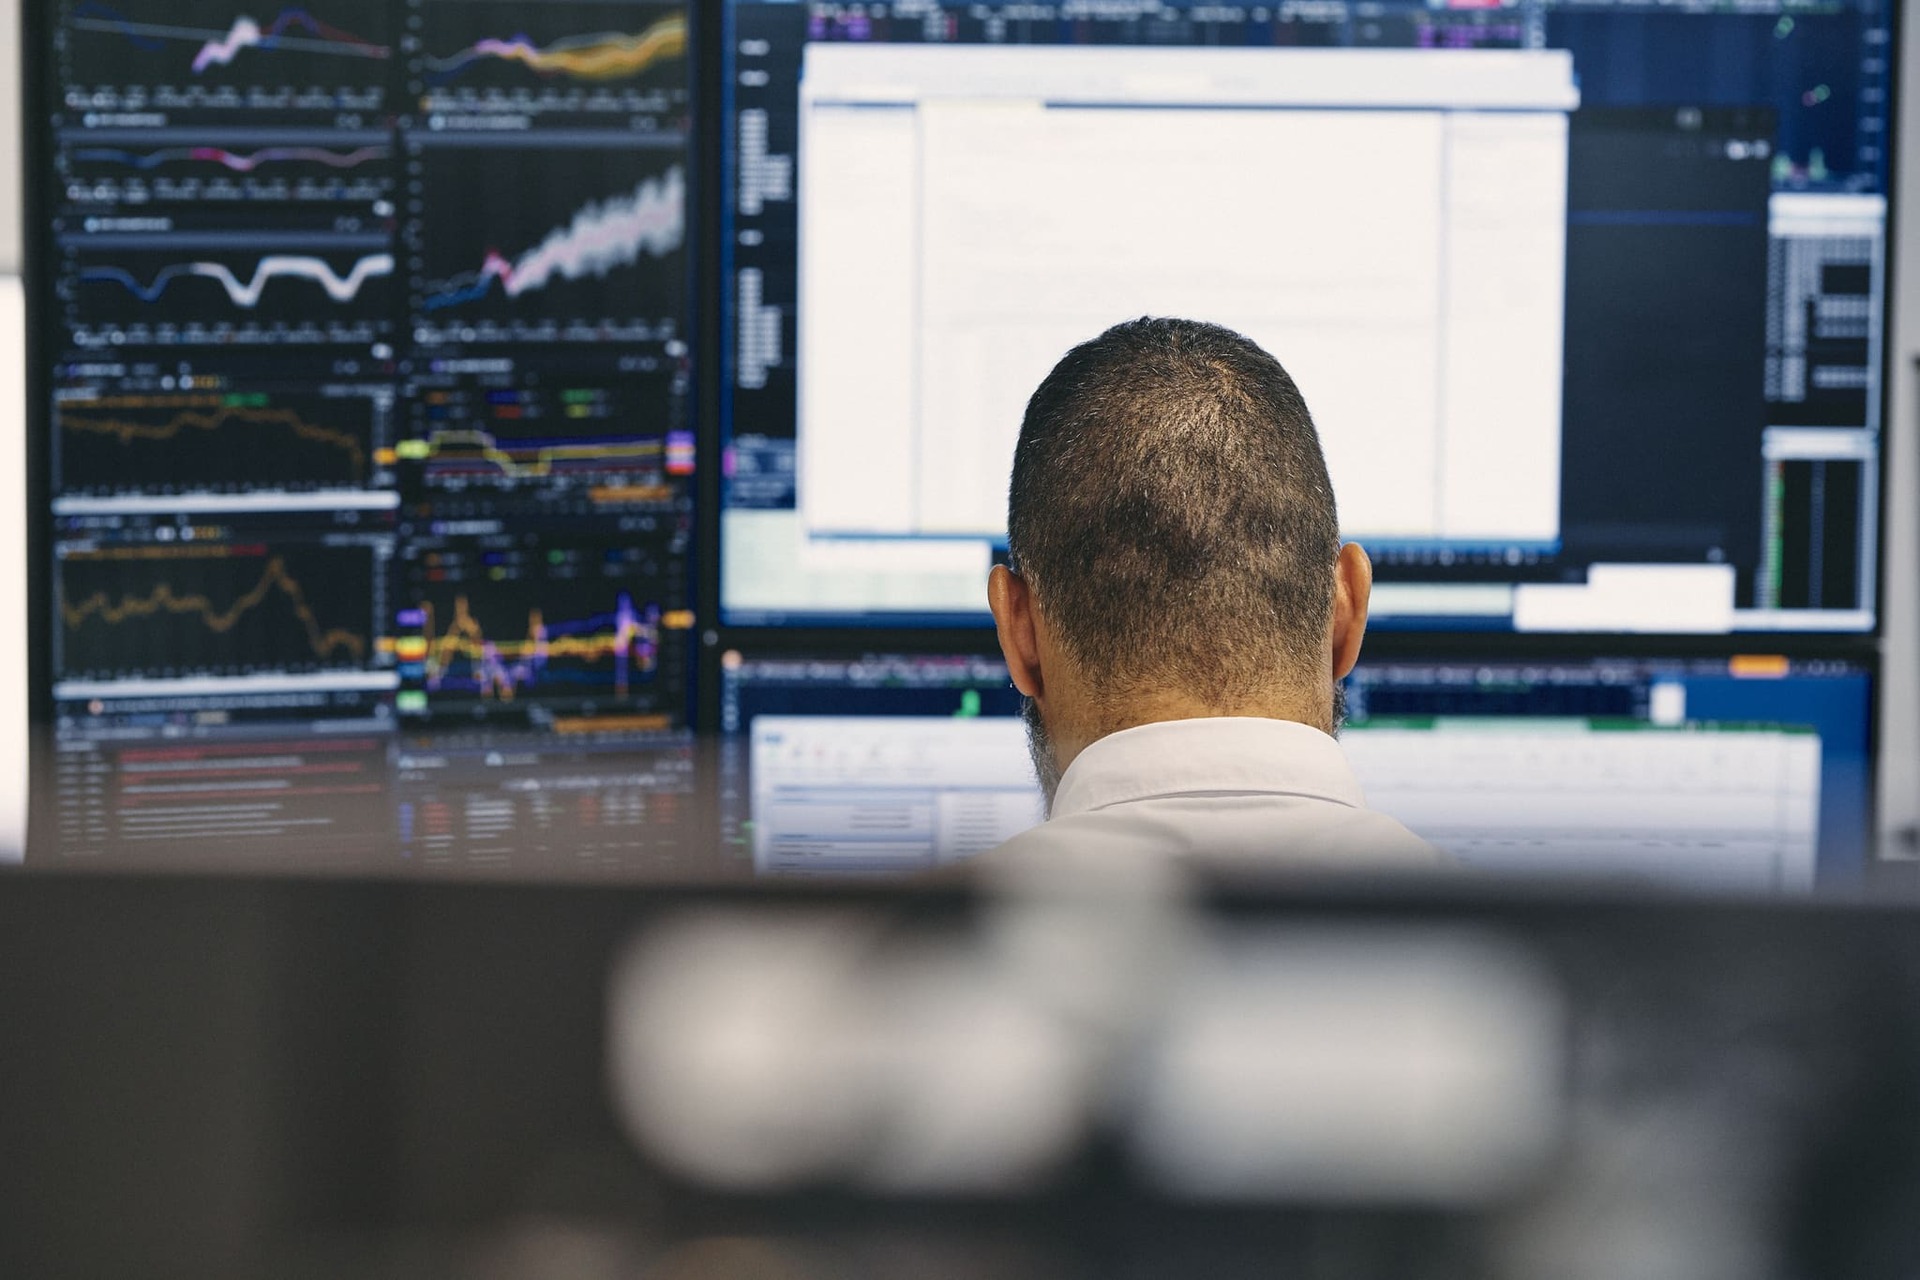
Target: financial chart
{"type": "Point", "coordinates": [578, 56]}
{"type": "Point", "coordinates": [221, 442]}
{"type": "Point", "coordinates": [587, 243]}
{"type": "Point", "coordinates": [566, 49]}
{"type": "Point", "coordinates": [239, 608]}
{"type": "Point", "coordinates": [558, 623]}
{"type": "Point", "coordinates": [185, 39]}
{"type": "Point", "coordinates": [572, 434]}
{"type": "Point", "coordinates": [316, 182]}
{"type": "Point", "coordinates": [211, 55]}
{"type": "Point", "coordinates": [563, 61]}
{"type": "Point", "coordinates": [368, 401]}
{"type": "Point", "coordinates": [191, 292]}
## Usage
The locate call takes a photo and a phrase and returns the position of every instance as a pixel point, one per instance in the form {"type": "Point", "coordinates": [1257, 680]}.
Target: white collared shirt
{"type": "Point", "coordinates": [1229, 790]}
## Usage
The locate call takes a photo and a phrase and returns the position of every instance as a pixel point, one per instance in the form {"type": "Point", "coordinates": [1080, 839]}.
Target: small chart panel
{"type": "Point", "coordinates": [193, 292]}
{"type": "Point", "coordinates": [554, 430]}
{"type": "Point", "coordinates": [222, 57]}
{"type": "Point", "coordinates": [548, 624]}
{"type": "Point", "coordinates": [233, 442]}
{"type": "Point", "coordinates": [224, 609]}
{"type": "Point", "coordinates": [238, 179]}
{"type": "Point", "coordinates": [581, 244]}
{"type": "Point", "coordinates": [579, 61]}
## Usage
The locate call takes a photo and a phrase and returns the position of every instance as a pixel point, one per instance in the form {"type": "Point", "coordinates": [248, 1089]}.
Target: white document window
{"type": "Point", "coordinates": [1390, 224]}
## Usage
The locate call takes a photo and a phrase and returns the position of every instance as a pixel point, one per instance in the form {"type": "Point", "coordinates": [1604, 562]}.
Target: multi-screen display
{"type": "Point", "coordinates": [432, 440]}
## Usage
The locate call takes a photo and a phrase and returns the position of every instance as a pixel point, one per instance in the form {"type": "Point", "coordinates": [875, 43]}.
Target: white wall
{"type": "Point", "coordinates": [10, 136]}
{"type": "Point", "coordinates": [1900, 605]}
{"type": "Point", "coordinates": [13, 578]}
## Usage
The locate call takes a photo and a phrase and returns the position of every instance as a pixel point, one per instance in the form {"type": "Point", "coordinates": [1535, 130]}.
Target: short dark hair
{"type": "Point", "coordinates": [1171, 510]}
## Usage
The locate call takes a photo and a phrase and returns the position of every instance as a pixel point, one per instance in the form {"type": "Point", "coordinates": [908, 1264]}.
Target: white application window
{"type": "Point", "coordinates": [1389, 223]}
{"type": "Point", "coordinates": [1735, 810]}
{"type": "Point", "coordinates": [878, 793]}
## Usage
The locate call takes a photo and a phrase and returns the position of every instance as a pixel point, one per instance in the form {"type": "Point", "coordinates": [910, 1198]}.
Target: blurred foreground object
{"type": "Point", "coordinates": [1075, 1076]}
{"type": "Point", "coordinates": [1363, 1064]}
{"type": "Point", "coordinates": [1643, 1105]}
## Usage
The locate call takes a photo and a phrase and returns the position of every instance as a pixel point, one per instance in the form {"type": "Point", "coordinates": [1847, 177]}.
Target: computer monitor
{"type": "Point", "coordinates": [1749, 774]}
{"type": "Point", "coordinates": [1587, 299]}
{"type": "Point", "coordinates": [361, 388]}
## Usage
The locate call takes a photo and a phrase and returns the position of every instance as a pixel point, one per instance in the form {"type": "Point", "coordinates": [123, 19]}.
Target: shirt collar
{"type": "Point", "coordinates": [1238, 754]}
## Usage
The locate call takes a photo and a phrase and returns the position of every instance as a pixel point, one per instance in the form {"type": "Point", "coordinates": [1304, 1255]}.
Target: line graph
{"type": "Point", "coordinates": [596, 57]}
{"type": "Point", "coordinates": [340, 287]}
{"type": "Point", "coordinates": [233, 443]}
{"type": "Point", "coordinates": [550, 429]}
{"type": "Point", "coordinates": [162, 599]}
{"type": "Point", "coordinates": [232, 161]}
{"type": "Point", "coordinates": [292, 30]}
{"type": "Point", "coordinates": [600, 237]}
{"type": "Point", "coordinates": [245, 33]}
{"type": "Point", "coordinates": [228, 56]}
{"type": "Point", "coordinates": [570, 625]}
{"type": "Point", "coordinates": [625, 639]}
{"type": "Point", "coordinates": [475, 450]}
{"type": "Point", "coordinates": [142, 294]}
{"type": "Point", "coordinates": [218, 609]}
{"type": "Point", "coordinates": [294, 184]}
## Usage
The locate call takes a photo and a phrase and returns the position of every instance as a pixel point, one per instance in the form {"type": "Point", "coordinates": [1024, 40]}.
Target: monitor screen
{"type": "Point", "coordinates": [1749, 774]}
{"type": "Point", "coordinates": [365, 375]}
{"type": "Point", "coordinates": [1586, 299]}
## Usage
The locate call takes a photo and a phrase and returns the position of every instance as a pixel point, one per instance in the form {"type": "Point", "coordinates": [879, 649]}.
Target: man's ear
{"type": "Point", "coordinates": [1011, 600]}
{"type": "Point", "coordinates": [1352, 589]}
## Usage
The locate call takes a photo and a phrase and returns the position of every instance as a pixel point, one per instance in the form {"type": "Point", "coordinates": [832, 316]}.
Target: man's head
{"type": "Point", "coordinates": [1174, 546]}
